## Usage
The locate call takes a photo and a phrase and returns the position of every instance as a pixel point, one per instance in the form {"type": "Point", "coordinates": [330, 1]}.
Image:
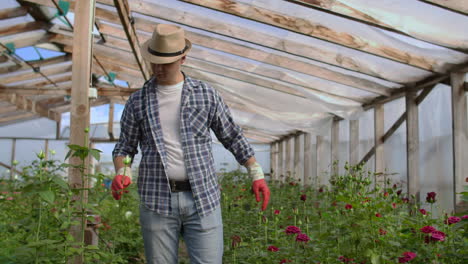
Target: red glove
{"type": "Point", "coordinates": [119, 183]}
{"type": "Point", "coordinates": [259, 186]}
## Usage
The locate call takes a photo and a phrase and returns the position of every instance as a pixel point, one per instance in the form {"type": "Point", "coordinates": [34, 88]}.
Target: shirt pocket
{"type": "Point", "coordinates": [199, 123]}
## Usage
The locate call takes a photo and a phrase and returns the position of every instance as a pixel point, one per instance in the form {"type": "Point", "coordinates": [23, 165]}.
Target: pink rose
{"type": "Point", "coordinates": [292, 230]}
{"type": "Point", "coordinates": [407, 256]}
{"type": "Point", "coordinates": [428, 229]}
{"type": "Point", "coordinates": [438, 236]}
{"type": "Point", "coordinates": [452, 220]}
{"type": "Point", "coordinates": [302, 238]}
{"type": "Point", "coordinates": [273, 249]}
{"type": "Point", "coordinates": [465, 217]}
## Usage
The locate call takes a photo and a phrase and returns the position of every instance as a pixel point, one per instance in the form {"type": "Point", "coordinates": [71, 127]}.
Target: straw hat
{"type": "Point", "coordinates": [167, 45]}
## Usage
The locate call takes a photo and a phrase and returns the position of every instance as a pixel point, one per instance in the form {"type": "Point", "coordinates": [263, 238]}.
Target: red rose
{"type": "Point", "coordinates": [382, 231]}
{"type": "Point", "coordinates": [428, 229]}
{"type": "Point", "coordinates": [302, 238]}
{"type": "Point", "coordinates": [277, 212]}
{"type": "Point", "coordinates": [348, 206]}
{"type": "Point", "coordinates": [303, 197]}
{"type": "Point", "coordinates": [273, 249]}
{"type": "Point", "coordinates": [407, 256]}
{"type": "Point", "coordinates": [378, 215]}
{"type": "Point", "coordinates": [430, 198]}
{"type": "Point", "coordinates": [424, 212]}
{"type": "Point", "coordinates": [292, 230]}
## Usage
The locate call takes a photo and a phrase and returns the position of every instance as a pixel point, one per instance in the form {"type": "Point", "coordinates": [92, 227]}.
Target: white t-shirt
{"type": "Point", "coordinates": [169, 100]}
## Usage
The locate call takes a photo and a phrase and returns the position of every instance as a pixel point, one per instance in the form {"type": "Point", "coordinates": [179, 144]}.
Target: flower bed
{"type": "Point", "coordinates": [348, 222]}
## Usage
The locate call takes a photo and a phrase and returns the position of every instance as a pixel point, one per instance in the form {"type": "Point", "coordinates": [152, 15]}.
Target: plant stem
{"type": "Point", "coordinates": [40, 210]}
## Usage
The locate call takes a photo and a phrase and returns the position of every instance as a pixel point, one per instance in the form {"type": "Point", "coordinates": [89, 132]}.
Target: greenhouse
{"type": "Point", "coordinates": [356, 111]}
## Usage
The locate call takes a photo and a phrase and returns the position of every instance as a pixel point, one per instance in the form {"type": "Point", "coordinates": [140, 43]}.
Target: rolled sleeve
{"type": "Point", "coordinates": [228, 132]}
{"type": "Point", "coordinates": [129, 133]}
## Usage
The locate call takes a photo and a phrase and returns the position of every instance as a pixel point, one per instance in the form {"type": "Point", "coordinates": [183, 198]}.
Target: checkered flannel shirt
{"type": "Point", "coordinates": [202, 109]}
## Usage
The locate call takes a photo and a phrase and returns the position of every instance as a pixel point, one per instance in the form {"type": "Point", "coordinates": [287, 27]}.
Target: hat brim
{"type": "Point", "coordinates": [162, 60]}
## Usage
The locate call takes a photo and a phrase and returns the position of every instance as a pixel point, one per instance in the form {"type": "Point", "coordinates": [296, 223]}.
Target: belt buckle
{"type": "Point", "coordinates": [173, 186]}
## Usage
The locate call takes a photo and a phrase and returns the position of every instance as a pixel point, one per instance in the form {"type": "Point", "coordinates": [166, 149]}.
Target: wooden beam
{"type": "Point", "coordinates": [26, 104]}
{"type": "Point", "coordinates": [79, 115]}
{"type": "Point", "coordinates": [353, 142]}
{"type": "Point", "coordinates": [281, 161]}
{"type": "Point", "coordinates": [16, 117]}
{"type": "Point", "coordinates": [41, 82]}
{"type": "Point", "coordinates": [8, 13]}
{"type": "Point", "coordinates": [381, 18]}
{"type": "Point", "coordinates": [459, 6]}
{"type": "Point", "coordinates": [378, 143]}
{"type": "Point", "coordinates": [319, 164]}
{"type": "Point", "coordinates": [7, 109]}
{"type": "Point", "coordinates": [24, 27]}
{"type": "Point", "coordinates": [120, 92]}
{"type": "Point", "coordinates": [460, 140]}
{"type": "Point", "coordinates": [274, 160]}
{"type": "Point", "coordinates": [308, 159]}
{"type": "Point", "coordinates": [298, 169]}
{"type": "Point", "coordinates": [288, 156]}
{"type": "Point", "coordinates": [110, 124]}
{"type": "Point", "coordinates": [318, 30]}
{"type": "Point", "coordinates": [30, 74]}
{"type": "Point", "coordinates": [335, 146]}
{"type": "Point", "coordinates": [125, 15]}
{"type": "Point", "coordinates": [27, 39]}
{"type": "Point", "coordinates": [412, 146]}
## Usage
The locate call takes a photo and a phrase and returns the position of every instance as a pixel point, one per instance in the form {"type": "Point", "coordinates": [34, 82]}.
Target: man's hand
{"type": "Point", "coordinates": [121, 182]}
{"type": "Point", "coordinates": [259, 186]}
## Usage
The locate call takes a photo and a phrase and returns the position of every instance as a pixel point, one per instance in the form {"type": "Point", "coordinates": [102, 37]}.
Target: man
{"type": "Point", "coordinates": [171, 118]}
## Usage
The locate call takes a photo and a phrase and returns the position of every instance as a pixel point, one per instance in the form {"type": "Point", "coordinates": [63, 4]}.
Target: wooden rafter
{"type": "Point", "coordinates": [453, 5]}
{"type": "Point", "coordinates": [23, 103]}
{"type": "Point", "coordinates": [317, 30]}
{"type": "Point", "coordinates": [16, 117]}
{"type": "Point", "coordinates": [24, 27]}
{"type": "Point", "coordinates": [361, 14]}
{"type": "Point", "coordinates": [13, 12]}
{"type": "Point", "coordinates": [125, 15]}
{"type": "Point", "coordinates": [283, 45]}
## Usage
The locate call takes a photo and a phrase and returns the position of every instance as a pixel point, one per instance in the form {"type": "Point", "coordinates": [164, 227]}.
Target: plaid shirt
{"type": "Point", "coordinates": [202, 109]}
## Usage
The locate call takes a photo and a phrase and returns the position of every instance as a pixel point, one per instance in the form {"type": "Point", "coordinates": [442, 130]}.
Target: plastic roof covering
{"type": "Point", "coordinates": [328, 80]}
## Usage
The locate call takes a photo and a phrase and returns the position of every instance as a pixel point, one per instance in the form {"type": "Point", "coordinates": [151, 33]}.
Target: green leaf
{"type": "Point", "coordinates": [92, 247]}
{"type": "Point", "coordinates": [375, 259]}
{"type": "Point", "coordinates": [60, 182]}
{"type": "Point", "coordinates": [68, 154]}
{"type": "Point", "coordinates": [96, 154]}
{"type": "Point", "coordinates": [47, 196]}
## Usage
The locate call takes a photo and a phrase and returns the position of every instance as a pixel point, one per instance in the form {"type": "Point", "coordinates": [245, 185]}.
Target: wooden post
{"type": "Point", "coordinates": [274, 160]}
{"type": "Point", "coordinates": [335, 146]}
{"type": "Point", "coordinates": [319, 179]}
{"type": "Point", "coordinates": [110, 124]}
{"type": "Point", "coordinates": [59, 124]}
{"type": "Point", "coordinates": [297, 158]}
{"type": "Point", "coordinates": [13, 154]}
{"type": "Point", "coordinates": [281, 163]}
{"type": "Point", "coordinates": [46, 149]}
{"type": "Point", "coordinates": [288, 157]}
{"type": "Point", "coordinates": [378, 143]}
{"type": "Point", "coordinates": [81, 78]}
{"type": "Point", "coordinates": [460, 140]}
{"type": "Point", "coordinates": [412, 145]}
{"type": "Point", "coordinates": [353, 142]}
{"type": "Point", "coordinates": [307, 159]}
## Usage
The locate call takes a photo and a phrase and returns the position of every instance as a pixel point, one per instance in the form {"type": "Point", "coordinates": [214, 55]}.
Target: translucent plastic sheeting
{"type": "Point", "coordinates": [324, 168]}
{"type": "Point", "coordinates": [436, 146]}
{"type": "Point", "coordinates": [291, 110]}
{"type": "Point", "coordinates": [366, 137]}
{"type": "Point", "coordinates": [441, 24]}
{"type": "Point", "coordinates": [395, 160]}
{"type": "Point", "coordinates": [5, 154]}
{"type": "Point", "coordinates": [36, 128]}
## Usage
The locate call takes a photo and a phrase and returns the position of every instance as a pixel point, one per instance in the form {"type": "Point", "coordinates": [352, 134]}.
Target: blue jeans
{"type": "Point", "coordinates": [203, 236]}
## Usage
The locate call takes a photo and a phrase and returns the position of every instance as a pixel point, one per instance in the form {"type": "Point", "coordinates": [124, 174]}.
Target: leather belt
{"type": "Point", "coordinates": [180, 186]}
